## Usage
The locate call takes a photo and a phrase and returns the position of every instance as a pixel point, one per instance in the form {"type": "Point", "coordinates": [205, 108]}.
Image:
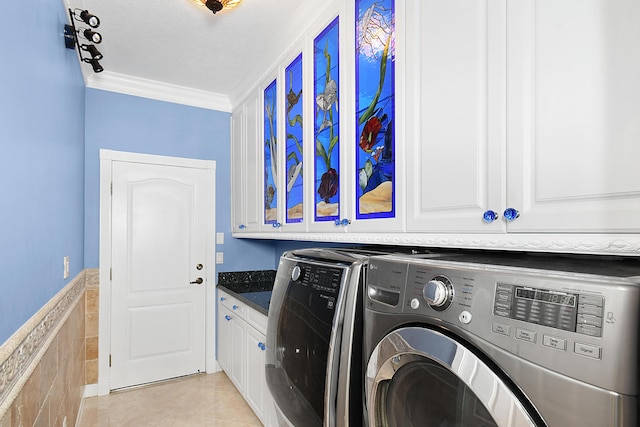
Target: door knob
{"type": "Point", "coordinates": [199, 266]}
{"type": "Point", "coordinates": [198, 281]}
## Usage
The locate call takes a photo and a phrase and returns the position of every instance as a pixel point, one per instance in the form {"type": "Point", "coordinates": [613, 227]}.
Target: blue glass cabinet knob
{"type": "Point", "coordinates": [510, 214]}
{"type": "Point", "coordinates": [241, 226]}
{"type": "Point", "coordinates": [345, 222]}
{"type": "Point", "coordinates": [489, 216]}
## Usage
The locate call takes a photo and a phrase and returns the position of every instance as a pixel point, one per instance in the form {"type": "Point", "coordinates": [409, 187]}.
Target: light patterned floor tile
{"type": "Point", "coordinates": [199, 400]}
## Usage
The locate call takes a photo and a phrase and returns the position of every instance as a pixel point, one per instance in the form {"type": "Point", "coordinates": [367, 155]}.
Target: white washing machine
{"type": "Point", "coordinates": [501, 340]}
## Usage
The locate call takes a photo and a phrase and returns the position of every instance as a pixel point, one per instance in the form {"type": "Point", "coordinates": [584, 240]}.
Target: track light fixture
{"type": "Point", "coordinates": [71, 37]}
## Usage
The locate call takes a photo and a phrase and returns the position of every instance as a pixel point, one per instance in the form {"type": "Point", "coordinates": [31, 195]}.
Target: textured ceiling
{"type": "Point", "coordinates": [180, 42]}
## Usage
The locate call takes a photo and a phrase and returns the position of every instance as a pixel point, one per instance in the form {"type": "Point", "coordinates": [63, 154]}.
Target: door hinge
{"type": "Point", "coordinates": [111, 189]}
{"type": "Point", "coordinates": [110, 273]}
{"type": "Point", "coordinates": [109, 360]}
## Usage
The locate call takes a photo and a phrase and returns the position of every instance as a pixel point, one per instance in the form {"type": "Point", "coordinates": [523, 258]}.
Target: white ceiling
{"type": "Point", "coordinates": [182, 45]}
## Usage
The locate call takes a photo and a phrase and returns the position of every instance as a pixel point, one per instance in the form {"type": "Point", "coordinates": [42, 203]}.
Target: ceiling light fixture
{"type": "Point", "coordinates": [71, 37]}
{"type": "Point", "coordinates": [218, 5]}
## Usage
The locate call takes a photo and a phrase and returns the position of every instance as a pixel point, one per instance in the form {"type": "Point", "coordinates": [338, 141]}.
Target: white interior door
{"type": "Point", "coordinates": [158, 256]}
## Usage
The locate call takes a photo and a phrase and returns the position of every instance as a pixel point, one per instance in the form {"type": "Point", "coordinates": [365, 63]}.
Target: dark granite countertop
{"type": "Point", "coordinates": [252, 287]}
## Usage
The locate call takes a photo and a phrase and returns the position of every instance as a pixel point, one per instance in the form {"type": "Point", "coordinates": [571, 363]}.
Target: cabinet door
{"type": "Point", "coordinates": [253, 171]}
{"type": "Point", "coordinates": [574, 115]}
{"type": "Point", "coordinates": [270, 146]}
{"type": "Point", "coordinates": [295, 118]}
{"type": "Point", "coordinates": [327, 92]}
{"type": "Point", "coordinates": [256, 382]}
{"type": "Point", "coordinates": [224, 338]}
{"type": "Point", "coordinates": [237, 349]}
{"type": "Point", "coordinates": [238, 170]}
{"type": "Point", "coordinates": [455, 114]}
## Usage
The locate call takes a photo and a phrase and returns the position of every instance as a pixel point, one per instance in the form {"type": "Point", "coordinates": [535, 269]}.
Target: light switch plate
{"type": "Point", "coordinates": [220, 238]}
{"type": "Point", "coordinates": [65, 262]}
{"type": "Point", "coordinates": [219, 257]}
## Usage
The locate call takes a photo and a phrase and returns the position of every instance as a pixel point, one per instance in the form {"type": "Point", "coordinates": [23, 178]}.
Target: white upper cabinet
{"type": "Point", "coordinates": [527, 105]}
{"type": "Point", "coordinates": [357, 119]}
{"type": "Point", "coordinates": [252, 159]}
{"type": "Point", "coordinates": [245, 190]}
{"type": "Point", "coordinates": [509, 124]}
{"type": "Point", "coordinates": [573, 105]}
{"type": "Point", "coordinates": [238, 216]}
{"type": "Point", "coordinates": [455, 114]}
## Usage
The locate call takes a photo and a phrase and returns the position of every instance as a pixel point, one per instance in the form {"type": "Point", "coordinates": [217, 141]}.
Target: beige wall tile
{"type": "Point", "coordinates": [92, 301]}
{"type": "Point", "coordinates": [91, 371]}
{"type": "Point", "coordinates": [32, 393]}
{"type": "Point", "coordinates": [5, 421]}
{"type": "Point", "coordinates": [49, 367]}
{"type": "Point", "coordinates": [91, 348]}
{"type": "Point", "coordinates": [54, 389]}
{"type": "Point", "coordinates": [56, 397]}
{"type": "Point", "coordinates": [43, 419]}
{"type": "Point", "coordinates": [91, 327]}
{"type": "Point", "coordinates": [24, 411]}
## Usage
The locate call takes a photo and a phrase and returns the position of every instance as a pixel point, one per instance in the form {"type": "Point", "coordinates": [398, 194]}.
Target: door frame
{"type": "Point", "coordinates": [107, 157]}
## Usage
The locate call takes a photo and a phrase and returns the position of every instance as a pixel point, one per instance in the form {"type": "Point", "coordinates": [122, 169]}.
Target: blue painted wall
{"type": "Point", "coordinates": [41, 159]}
{"type": "Point", "coordinates": [128, 123]}
{"type": "Point", "coordinates": [51, 130]}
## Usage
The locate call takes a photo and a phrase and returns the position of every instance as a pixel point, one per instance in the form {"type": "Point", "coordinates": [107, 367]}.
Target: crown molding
{"type": "Point", "coordinates": [129, 85]}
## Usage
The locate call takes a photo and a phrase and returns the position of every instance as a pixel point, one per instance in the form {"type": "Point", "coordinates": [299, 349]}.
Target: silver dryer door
{"type": "Point", "coordinates": [420, 377]}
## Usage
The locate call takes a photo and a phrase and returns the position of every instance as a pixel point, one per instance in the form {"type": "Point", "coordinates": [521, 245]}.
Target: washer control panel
{"type": "Point", "coordinates": [581, 313]}
{"type": "Point", "coordinates": [574, 321]}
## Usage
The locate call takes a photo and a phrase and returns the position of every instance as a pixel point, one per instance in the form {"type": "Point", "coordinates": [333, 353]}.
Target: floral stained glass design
{"type": "Point", "coordinates": [293, 127]}
{"type": "Point", "coordinates": [326, 123]}
{"type": "Point", "coordinates": [270, 155]}
{"type": "Point", "coordinates": [375, 109]}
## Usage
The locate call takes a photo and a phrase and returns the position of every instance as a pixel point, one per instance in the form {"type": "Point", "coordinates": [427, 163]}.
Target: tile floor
{"type": "Point", "coordinates": [198, 400]}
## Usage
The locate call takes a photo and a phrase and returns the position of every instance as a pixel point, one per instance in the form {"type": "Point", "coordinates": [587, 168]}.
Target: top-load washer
{"type": "Point", "coordinates": [494, 339]}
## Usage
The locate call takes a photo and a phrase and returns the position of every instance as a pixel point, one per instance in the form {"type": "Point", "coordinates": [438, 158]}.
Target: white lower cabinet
{"type": "Point", "coordinates": [256, 391]}
{"type": "Point", "coordinates": [231, 331]}
{"type": "Point", "coordinates": [241, 353]}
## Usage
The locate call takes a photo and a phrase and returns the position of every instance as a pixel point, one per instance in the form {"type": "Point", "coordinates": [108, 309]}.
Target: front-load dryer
{"type": "Point", "coordinates": [501, 340]}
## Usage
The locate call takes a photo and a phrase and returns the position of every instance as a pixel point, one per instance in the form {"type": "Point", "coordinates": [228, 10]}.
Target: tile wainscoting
{"type": "Point", "coordinates": [46, 364]}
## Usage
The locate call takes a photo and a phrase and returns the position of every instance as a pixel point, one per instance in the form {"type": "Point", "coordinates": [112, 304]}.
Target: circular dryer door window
{"type": "Point", "coordinates": [420, 377]}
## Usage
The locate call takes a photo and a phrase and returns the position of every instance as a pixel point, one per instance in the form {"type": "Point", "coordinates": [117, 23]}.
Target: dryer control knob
{"type": "Point", "coordinates": [296, 273]}
{"type": "Point", "coordinates": [438, 292]}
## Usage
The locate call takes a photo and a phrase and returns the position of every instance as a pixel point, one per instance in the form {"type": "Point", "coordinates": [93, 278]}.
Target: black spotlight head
{"type": "Point", "coordinates": [93, 51]}
{"type": "Point", "coordinates": [214, 5]}
{"type": "Point", "coordinates": [97, 68]}
{"type": "Point", "coordinates": [92, 36]}
{"type": "Point", "coordinates": [90, 19]}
